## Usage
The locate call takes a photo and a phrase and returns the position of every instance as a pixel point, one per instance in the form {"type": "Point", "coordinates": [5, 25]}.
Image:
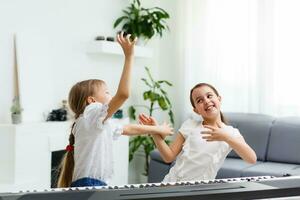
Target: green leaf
{"type": "Point", "coordinates": [157, 85]}
{"type": "Point", "coordinates": [148, 145]}
{"type": "Point", "coordinates": [171, 115]}
{"type": "Point", "coordinates": [165, 14]}
{"type": "Point", "coordinates": [162, 103]}
{"type": "Point", "coordinates": [164, 92]}
{"type": "Point", "coordinates": [119, 20]}
{"type": "Point", "coordinates": [131, 112]}
{"type": "Point", "coordinates": [168, 141]}
{"type": "Point", "coordinates": [127, 13]}
{"type": "Point", "coordinates": [146, 82]}
{"type": "Point", "coordinates": [149, 75]}
{"type": "Point", "coordinates": [154, 96]}
{"type": "Point", "coordinates": [138, 2]}
{"type": "Point", "coordinates": [147, 94]}
{"type": "Point", "coordinates": [167, 99]}
{"type": "Point", "coordinates": [134, 145]}
{"type": "Point", "coordinates": [164, 81]}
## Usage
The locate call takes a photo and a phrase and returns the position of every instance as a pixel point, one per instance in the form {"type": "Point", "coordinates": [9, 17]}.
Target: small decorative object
{"type": "Point", "coordinates": [60, 114]}
{"type": "Point", "coordinates": [118, 114]}
{"type": "Point", "coordinates": [143, 23]}
{"type": "Point", "coordinates": [16, 111]}
{"type": "Point", "coordinates": [156, 96]}
{"type": "Point", "coordinates": [100, 37]}
{"type": "Point", "coordinates": [57, 115]}
{"type": "Point", "coordinates": [111, 39]}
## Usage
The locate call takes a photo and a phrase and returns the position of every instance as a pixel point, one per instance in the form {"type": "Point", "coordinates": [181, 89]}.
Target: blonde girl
{"type": "Point", "coordinates": [89, 157]}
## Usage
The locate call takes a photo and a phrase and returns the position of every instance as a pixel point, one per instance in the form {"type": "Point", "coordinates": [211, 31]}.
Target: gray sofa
{"type": "Point", "coordinates": [276, 142]}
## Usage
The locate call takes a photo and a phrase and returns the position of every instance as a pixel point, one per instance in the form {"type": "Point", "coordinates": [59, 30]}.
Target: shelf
{"type": "Point", "coordinates": [107, 47]}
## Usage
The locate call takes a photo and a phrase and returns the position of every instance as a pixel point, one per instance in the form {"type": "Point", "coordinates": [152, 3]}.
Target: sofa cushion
{"type": "Point", "coordinates": [284, 145]}
{"type": "Point", "coordinates": [232, 167]}
{"type": "Point", "coordinates": [255, 128]}
{"type": "Point", "coordinates": [272, 169]}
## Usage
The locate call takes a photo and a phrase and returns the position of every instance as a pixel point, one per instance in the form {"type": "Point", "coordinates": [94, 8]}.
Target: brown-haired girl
{"type": "Point", "coordinates": [89, 157]}
{"type": "Point", "coordinates": [201, 147]}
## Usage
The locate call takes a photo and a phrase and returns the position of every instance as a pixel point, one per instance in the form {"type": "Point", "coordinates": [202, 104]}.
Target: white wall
{"type": "Point", "coordinates": [51, 43]}
{"type": "Point", "coordinates": [170, 64]}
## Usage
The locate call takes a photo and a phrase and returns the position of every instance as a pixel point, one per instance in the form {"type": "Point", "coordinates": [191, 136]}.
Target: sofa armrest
{"type": "Point", "coordinates": [155, 155]}
{"type": "Point", "coordinates": [157, 167]}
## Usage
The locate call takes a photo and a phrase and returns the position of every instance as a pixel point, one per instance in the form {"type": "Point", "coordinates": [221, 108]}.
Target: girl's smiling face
{"type": "Point", "coordinates": [207, 102]}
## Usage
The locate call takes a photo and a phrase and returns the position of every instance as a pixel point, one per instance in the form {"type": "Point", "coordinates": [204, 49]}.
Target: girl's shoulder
{"type": "Point", "coordinates": [93, 116]}
{"type": "Point", "coordinates": [95, 108]}
{"type": "Point", "coordinates": [189, 125]}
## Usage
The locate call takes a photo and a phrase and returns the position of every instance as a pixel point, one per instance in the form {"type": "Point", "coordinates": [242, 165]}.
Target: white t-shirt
{"type": "Point", "coordinates": [199, 159]}
{"type": "Point", "coordinates": [93, 152]}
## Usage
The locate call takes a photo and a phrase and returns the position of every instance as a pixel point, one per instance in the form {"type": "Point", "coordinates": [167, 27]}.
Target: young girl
{"type": "Point", "coordinates": [88, 160]}
{"type": "Point", "coordinates": [201, 147]}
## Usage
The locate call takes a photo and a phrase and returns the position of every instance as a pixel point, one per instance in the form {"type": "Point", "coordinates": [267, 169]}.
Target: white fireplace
{"type": "Point", "coordinates": [25, 156]}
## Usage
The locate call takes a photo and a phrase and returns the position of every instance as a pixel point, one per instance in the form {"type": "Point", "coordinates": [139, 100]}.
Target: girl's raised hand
{"type": "Point", "coordinates": [165, 129]}
{"type": "Point", "coordinates": [147, 120]}
{"type": "Point", "coordinates": [215, 134]}
{"type": "Point", "coordinates": [126, 43]}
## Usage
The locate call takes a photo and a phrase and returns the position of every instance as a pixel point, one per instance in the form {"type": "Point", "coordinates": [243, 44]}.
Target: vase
{"type": "Point", "coordinates": [16, 118]}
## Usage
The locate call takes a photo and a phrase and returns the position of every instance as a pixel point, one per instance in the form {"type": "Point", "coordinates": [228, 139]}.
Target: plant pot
{"type": "Point", "coordinates": [143, 178]}
{"type": "Point", "coordinates": [142, 42]}
{"type": "Point", "coordinates": [137, 168]}
{"type": "Point", "coordinates": [16, 118]}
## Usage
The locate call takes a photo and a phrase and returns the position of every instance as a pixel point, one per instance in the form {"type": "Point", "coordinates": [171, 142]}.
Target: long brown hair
{"type": "Point", "coordinates": [223, 119]}
{"type": "Point", "coordinates": [77, 101]}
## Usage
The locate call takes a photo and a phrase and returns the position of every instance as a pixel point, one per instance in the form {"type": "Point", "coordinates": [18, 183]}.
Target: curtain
{"type": "Point", "coordinates": [247, 49]}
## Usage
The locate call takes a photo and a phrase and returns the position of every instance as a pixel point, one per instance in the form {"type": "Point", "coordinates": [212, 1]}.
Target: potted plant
{"type": "Point", "coordinates": [141, 22]}
{"type": "Point", "coordinates": [16, 111]}
{"type": "Point", "coordinates": [157, 99]}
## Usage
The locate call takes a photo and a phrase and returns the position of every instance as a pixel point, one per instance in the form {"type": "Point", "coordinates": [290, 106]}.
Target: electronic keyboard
{"type": "Point", "coordinates": [232, 188]}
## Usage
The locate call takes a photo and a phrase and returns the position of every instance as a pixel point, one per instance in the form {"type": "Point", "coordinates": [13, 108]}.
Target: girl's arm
{"type": "Point", "coordinates": [168, 153]}
{"type": "Point", "coordinates": [139, 129]}
{"type": "Point", "coordinates": [124, 85]}
{"type": "Point", "coordinates": [238, 144]}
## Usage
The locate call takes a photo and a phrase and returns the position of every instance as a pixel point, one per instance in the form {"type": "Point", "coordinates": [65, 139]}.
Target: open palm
{"type": "Point", "coordinates": [147, 120]}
